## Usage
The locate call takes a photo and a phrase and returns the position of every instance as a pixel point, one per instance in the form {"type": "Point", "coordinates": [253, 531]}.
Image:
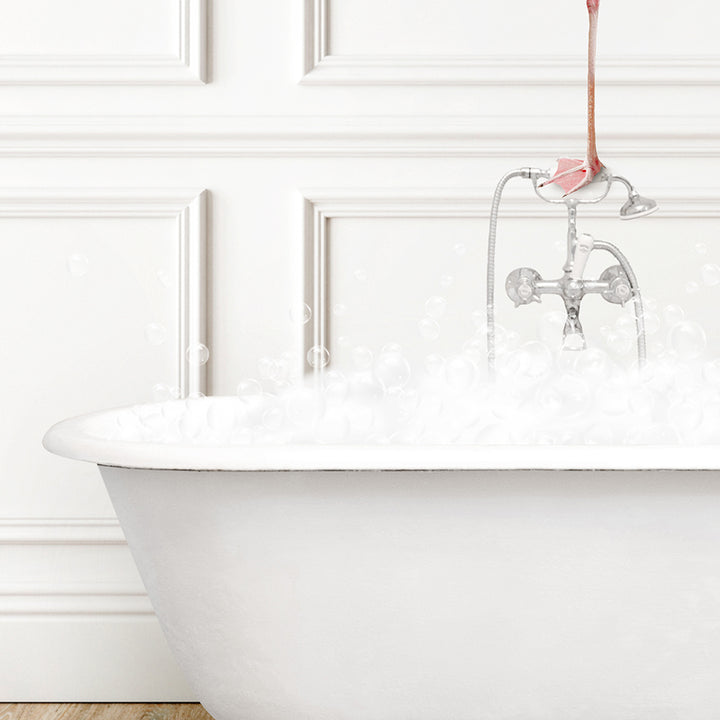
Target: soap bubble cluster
{"type": "Point", "coordinates": [541, 395]}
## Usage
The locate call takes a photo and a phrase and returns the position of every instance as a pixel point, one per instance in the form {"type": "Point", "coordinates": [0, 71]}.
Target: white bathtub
{"type": "Point", "coordinates": [417, 583]}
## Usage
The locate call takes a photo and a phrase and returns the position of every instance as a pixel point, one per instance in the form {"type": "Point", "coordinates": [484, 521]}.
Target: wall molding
{"type": "Point", "coordinates": [323, 204]}
{"type": "Point", "coordinates": [531, 139]}
{"type": "Point", "coordinates": [187, 207]}
{"type": "Point", "coordinates": [186, 67]}
{"type": "Point", "coordinates": [61, 531]}
{"type": "Point", "coordinates": [323, 68]}
{"type": "Point", "coordinates": [72, 598]}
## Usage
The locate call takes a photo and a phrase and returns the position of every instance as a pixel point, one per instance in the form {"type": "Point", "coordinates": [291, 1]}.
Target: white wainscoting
{"type": "Point", "coordinates": [519, 58]}
{"type": "Point", "coordinates": [102, 42]}
{"type": "Point", "coordinates": [60, 571]}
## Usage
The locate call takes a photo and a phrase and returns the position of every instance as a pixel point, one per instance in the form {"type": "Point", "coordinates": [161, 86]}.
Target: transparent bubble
{"type": "Point", "coordinates": [339, 309]}
{"type": "Point", "coordinates": [573, 342]}
{"type": "Point", "coordinates": [687, 339]}
{"type": "Point", "coordinates": [642, 400]}
{"type": "Point", "coordinates": [652, 322]}
{"type": "Point", "coordinates": [505, 340]}
{"type": "Point", "coordinates": [686, 415]}
{"type": "Point", "coordinates": [391, 348]}
{"type": "Point", "coordinates": [304, 406]}
{"type": "Point", "coordinates": [447, 281]}
{"type": "Point", "coordinates": [429, 328]}
{"type": "Point", "coordinates": [163, 277]}
{"type": "Point", "coordinates": [249, 388]}
{"type": "Point", "coordinates": [650, 303]}
{"type": "Point", "coordinates": [599, 434]}
{"type": "Point", "coordinates": [479, 318]}
{"type": "Point", "coordinates": [331, 428]}
{"type": "Point", "coordinates": [273, 418]}
{"type": "Point", "coordinates": [318, 357]}
{"type": "Point", "coordinates": [476, 348]}
{"type": "Point", "coordinates": [460, 373]}
{"type": "Point", "coordinates": [197, 354]}
{"type": "Point", "coordinates": [335, 386]}
{"type": "Point", "coordinates": [362, 357]}
{"type": "Point", "coordinates": [435, 306]}
{"type": "Point", "coordinates": [161, 392]}
{"type": "Point", "coordinates": [78, 264]}
{"type": "Point", "coordinates": [360, 417]}
{"type": "Point", "coordinates": [459, 249]}
{"type": "Point", "coordinates": [550, 328]}
{"type": "Point", "coordinates": [626, 323]}
{"type": "Point", "coordinates": [701, 248]}
{"type": "Point", "coordinates": [191, 424]}
{"type": "Point", "coordinates": [392, 370]}
{"type": "Point", "coordinates": [361, 275]}
{"type": "Point", "coordinates": [155, 333]}
{"type": "Point", "coordinates": [276, 369]}
{"type": "Point", "coordinates": [221, 414]}
{"type": "Point", "coordinates": [434, 364]}
{"type": "Point", "coordinates": [612, 397]}
{"type": "Point", "coordinates": [711, 372]}
{"type": "Point", "coordinates": [593, 364]}
{"type": "Point", "coordinates": [673, 314]}
{"type": "Point", "coordinates": [619, 343]}
{"type": "Point", "coordinates": [528, 363]}
{"type": "Point", "coordinates": [692, 287]}
{"type": "Point", "coordinates": [300, 314]}
{"type": "Point", "coordinates": [710, 274]}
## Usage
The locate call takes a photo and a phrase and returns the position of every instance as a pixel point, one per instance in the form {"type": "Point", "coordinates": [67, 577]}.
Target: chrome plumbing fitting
{"type": "Point", "coordinates": [617, 284]}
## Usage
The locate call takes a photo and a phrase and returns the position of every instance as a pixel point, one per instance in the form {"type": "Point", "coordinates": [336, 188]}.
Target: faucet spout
{"type": "Point", "coordinates": [573, 335]}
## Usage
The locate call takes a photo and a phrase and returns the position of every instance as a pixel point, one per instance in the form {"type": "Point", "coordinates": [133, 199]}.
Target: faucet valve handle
{"type": "Point", "coordinates": [619, 290]}
{"type": "Point", "coordinates": [583, 248]}
{"type": "Point", "coordinates": [521, 286]}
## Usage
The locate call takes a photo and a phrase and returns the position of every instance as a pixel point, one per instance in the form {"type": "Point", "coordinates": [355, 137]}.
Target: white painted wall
{"type": "Point", "coordinates": [385, 123]}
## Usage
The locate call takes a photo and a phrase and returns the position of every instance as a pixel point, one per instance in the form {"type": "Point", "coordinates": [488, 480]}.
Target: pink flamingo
{"type": "Point", "coordinates": [571, 174]}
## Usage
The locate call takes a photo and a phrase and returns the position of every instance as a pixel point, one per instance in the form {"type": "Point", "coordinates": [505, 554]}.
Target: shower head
{"type": "Point", "coordinates": [637, 206]}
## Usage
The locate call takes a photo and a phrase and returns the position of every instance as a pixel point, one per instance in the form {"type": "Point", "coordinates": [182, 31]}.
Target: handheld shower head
{"type": "Point", "coordinates": [637, 206]}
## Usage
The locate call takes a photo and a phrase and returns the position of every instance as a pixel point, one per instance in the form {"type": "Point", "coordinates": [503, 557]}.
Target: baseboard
{"type": "Point", "coordinates": [87, 659]}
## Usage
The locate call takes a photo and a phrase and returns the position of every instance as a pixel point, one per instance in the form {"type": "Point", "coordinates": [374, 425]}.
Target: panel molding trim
{"type": "Point", "coordinates": [61, 531]}
{"type": "Point", "coordinates": [187, 207]}
{"type": "Point", "coordinates": [465, 136]}
{"type": "Point", "coordinates": [323, 204]}
{"type": "Point", "coordinates": [324, 68]}
{"type": "Point", "coordinates": [188, 66]}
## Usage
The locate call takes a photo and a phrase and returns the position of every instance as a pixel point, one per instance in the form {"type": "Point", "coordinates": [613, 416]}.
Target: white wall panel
{"type": "Point", "coordinates": [360, 242]}
{"type": "Point", "coordinates": [102, 41]}
{"type": "Point", "coordinates": [99, 284]}
{"type": "Point", "coordinates": [103, 292]}
{"type": "Point", "coordinates": [524, 42]}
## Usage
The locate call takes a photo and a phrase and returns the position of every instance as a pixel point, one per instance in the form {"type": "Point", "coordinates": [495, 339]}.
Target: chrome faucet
{"type": "Point", "coordinates": [617, 284]}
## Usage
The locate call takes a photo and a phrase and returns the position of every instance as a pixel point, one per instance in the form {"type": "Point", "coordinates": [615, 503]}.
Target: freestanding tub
{"type": "Point", "coordinates": [426, 583]}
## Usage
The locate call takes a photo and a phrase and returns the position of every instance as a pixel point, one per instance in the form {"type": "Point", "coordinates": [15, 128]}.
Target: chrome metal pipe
{"type": "Point", "coordinates": [529, 174]}
{"type": "Point", "coordinates": [637, 298]}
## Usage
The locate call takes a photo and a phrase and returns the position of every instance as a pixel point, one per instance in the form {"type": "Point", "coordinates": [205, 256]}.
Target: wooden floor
{"type": "Point", "coordinates": [103, 711]}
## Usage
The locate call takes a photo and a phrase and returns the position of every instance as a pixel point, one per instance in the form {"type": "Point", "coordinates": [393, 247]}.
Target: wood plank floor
{"type": "Point", "coordinates": [103, 711]}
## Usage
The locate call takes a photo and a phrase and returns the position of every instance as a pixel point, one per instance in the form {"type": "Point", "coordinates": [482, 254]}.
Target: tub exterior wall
{"type": "Point", "coordinates": [472, 595]}
{"type": "Point", "coordinates": [121, 123]}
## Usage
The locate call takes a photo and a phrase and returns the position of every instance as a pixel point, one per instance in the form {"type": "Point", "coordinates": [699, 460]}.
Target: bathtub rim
{"type": "Point", "coordinates": [70, 439]}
